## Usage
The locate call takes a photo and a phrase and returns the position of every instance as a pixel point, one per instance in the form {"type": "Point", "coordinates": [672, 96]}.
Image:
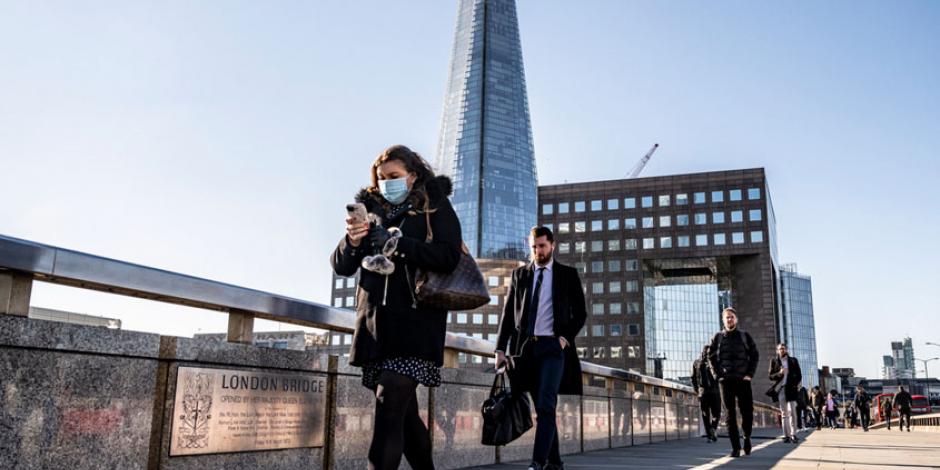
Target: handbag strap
{"type": "Point", "coordinates": [499, 383]}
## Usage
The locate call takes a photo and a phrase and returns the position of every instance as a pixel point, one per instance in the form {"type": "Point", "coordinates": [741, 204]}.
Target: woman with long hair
{"type": "Point", "coordinates": [398, 342]}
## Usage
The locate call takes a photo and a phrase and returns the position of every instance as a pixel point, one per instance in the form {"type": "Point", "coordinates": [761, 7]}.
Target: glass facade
{"type": "Point", "coordinates": [485, 141]}
{"type": "Point", "coordinates": [799, 325]}
{"type": "Point", "coordinates": [680, 320]}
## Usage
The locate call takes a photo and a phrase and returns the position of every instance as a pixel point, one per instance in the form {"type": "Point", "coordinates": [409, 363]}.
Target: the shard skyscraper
{"type": "Point", "coordinates": [486, 138]}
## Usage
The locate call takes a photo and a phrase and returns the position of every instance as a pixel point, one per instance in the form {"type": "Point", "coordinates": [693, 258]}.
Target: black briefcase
{"type": "Point", "coordinates": [506, 415]}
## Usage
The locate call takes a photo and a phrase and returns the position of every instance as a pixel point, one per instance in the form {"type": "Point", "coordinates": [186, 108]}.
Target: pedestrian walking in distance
{"type": "Point", "coordinates": [862, 403]}
{"type": "Point", "coordinates": [802, 406]}
{"type": "Point", "coordinates": [543, 313]}
{"type": "Point", "coordinates": [733, 358]}
{"type": "Point", "coordinates": [786, 374]}
{"type": "Point", "coordinates": [709, 395]}
{"type": "Point", "coordinates": [832, 410]}
{"type": "Point", "coordinates": [903, 402]}
{"type": "Point", "coordinates": [398, 342]}
{"type": "Point", "coordinates": [818, 401]}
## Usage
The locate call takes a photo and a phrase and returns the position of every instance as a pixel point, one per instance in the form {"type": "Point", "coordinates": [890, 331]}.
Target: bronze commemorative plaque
{"type": "Point", "coordinates": [230, 410]}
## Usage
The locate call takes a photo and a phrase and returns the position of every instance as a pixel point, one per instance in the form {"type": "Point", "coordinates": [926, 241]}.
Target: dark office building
{"type": "Point", "coordinates": [660, 257]}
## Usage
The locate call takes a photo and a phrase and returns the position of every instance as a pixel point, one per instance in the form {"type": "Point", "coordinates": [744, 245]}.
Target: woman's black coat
{"type": "Point", "coordinates": [387, 323]}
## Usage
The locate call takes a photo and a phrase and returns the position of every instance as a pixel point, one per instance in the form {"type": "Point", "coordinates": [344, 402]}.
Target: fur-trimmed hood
{"type": "Point", "coordinates": [437, 188]}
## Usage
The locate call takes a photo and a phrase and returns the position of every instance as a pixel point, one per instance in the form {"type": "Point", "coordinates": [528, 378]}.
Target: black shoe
{"type": "Point", "coordinates": [535, 466]}
{"type": "Point", "coordinates": [554, 466]}
{"type": "Point", "coordinates": [712, 436]}
{"type": "Point", "coordinates": [787, 440]}
{"type": "Point", "coordinates": [747, 446]}
{"type": "Point", "coordinates": [736, 453]}
{"type": "Point", "coordinates": [794, 439]}
{"type": "Point", "coordinates": [908, 429]}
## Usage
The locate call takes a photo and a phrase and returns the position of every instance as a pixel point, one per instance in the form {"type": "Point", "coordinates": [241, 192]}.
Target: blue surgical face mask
{"type": "Point", "coordinates": [394, 191]}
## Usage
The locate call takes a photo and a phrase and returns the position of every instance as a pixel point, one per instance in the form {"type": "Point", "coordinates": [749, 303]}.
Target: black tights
{"type": "Point", "coordinates": [398, 428]}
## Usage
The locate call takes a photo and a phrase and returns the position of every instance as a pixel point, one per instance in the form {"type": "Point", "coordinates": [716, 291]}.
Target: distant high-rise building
{"type": "Point", "coordinates": [888, 370]}
{"type": "Point", "coordinates": [799, 327]}
{"type": "Point", "coordinates": [485, 142]}
{"type": "Point", "coordinates": [902, 352]}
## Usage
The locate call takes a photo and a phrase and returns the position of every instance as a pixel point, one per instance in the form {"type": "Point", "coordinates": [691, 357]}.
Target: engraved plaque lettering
{"type": "Point", "coordinates": [230, 410]}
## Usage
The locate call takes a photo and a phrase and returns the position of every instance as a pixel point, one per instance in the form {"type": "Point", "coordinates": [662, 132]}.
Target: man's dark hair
{"type": "Point", "coordinates": [782, 344]}
{"type": "Point", "coordinates": [542, 231]}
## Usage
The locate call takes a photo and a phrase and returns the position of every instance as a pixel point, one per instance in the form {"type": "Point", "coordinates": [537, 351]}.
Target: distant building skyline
{"type": "Point", "coordinates": [485, 140]}
{"type": "Point", "coordinates": [799, 326]}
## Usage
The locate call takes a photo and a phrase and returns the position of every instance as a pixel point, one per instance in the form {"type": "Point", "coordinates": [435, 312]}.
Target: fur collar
{"type": "Point", "coordinates": [437, 188]}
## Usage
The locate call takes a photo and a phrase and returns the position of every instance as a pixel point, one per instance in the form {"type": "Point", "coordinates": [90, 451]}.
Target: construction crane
{"type": "Point", "coordinates": [635, 171]}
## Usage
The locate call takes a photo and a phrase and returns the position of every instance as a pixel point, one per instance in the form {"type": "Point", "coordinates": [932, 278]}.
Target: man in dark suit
{"type": "Point", "coordinates": [543, 313]}
{"type": "Point", "coordinates": [785, 371]}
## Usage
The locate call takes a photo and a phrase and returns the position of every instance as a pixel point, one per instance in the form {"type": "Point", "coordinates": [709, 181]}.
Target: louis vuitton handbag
{"type": "Point", "coordinates": [462, 289]}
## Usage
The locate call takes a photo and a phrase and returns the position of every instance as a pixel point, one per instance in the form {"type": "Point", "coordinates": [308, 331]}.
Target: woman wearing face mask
{"type": "Point", "coordinates": [399, 343]}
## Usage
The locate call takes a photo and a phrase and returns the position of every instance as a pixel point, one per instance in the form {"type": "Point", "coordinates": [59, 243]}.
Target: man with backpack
{"type": "Point", "coordinates": [732, 358]}
{"type": "Point", "coordinates": [709, 395]}
{"type": "Point", "coordinates": [862, 403]}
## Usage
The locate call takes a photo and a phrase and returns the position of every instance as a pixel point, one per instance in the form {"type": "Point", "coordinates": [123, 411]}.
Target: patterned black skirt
{"type": "Point", "coordinates": [422, 371]}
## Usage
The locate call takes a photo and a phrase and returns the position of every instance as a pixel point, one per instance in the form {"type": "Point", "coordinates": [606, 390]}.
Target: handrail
{"type": "Point", "coordinates": [73, 268]}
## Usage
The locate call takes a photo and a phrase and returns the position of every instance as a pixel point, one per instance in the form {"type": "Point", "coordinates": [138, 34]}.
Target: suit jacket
{"type": "Point", "coordinates": [569, 316]}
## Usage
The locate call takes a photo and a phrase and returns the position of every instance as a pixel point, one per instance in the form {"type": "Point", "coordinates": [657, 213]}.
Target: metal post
{"type": "Point", "coordinates": [15, 290]}
{"type": "Point", "coordinates": [241, 326]}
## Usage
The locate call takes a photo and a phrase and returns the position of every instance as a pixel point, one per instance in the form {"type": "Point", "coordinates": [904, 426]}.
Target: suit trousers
{"type": "Point", "coordinates": [736, 394]}
{"type": "Point", "coordinates": [544, 362]}
{"type": "Point", "coordinates": [787, 414]}
{"type": "Point", "coordinates": [711, 411]}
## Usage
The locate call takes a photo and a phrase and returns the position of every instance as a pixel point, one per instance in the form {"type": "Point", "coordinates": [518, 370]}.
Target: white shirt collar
{"type": "Point", "coordinates": [548, 266]}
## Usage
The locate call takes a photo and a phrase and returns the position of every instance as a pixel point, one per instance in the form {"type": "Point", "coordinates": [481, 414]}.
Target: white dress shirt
{"type": "Point", "coordinates": [544, 317]}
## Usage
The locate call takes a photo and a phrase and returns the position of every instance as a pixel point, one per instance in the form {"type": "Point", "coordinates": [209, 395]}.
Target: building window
{"type": "Point", "coordinates": [682, 241]}
{"type": "Point", "coordinates": [647, 222]}
{"type": "Point", "coordinates": [718, 196]}
{"type": "Point", "coordinates": [629, 244]}
{"type": "Point", "coordinates": [616, 352]}
{"type": "Point", "coordinates": [548, 209]}
{"type": "Point", "coordinates": [665, 242]}
{"type": "Point", "coordinates": [682, 199]}
{"type": "Point", "coordinates": [350, 301]}
{"type": "Point", "coordinates": [649, 243]}
{"type": "Point", "coordinates": [719, 239]}
{"type": "Point", "coordinates": [580, 266]}
{"type": "Point", "coordinates": [580, 227]}
{"type": "Point", "coordinates": [493, 281]}
{"type": "Point", "coordinates": [599, 352]}
{"type": "Point", "coordinates": [579, 206]}
{"type": "Point", "coordinates": [337, 301]}
{"type": "Point", "coordinates": [597, 330]}
{"type": "Point", "coordinates": [564, 227]}
{"type": "Point", "coordinates": [665, 221]}
{"type": "Point", "coordinates": [613, 224]}
{"type": "Point", "coordinates": [754, 215]}
{"type": "Point", "coordinates": [615, 308]}
{"type": "Point", "coordinates": [718, 217]}
{"type": "Point", "coordinates": [664, 200]}
{"type": "Point", "coordinates": [613, 245]}
{"type": "Point", "coordinates": [597, 309]}
{"type": "Point", "coordinates": [564, 248]}
{"type": "Point", "coordinates": [630, 265]}
{"type": "Point", "coordinates": [737, 238]}
{"type": "Point", "coordinates": [550, 227]}
{"type": "Point", "coordinates": [629, 224]}
{"type": "Point", "coordinates": [613, 287]}
{"type": "Point", "coordinates": [616, 330]}
{"type": "Point", "coordinates": [462, 318]}
{"type": "Point", "coordinates": [582, 352]}
{"type": "Point", "coordinates": [633, 286]}
{"type": "Point", "coordinates": [492, 318]}
{"type": "Point", "coordinates": [579, 247]}
{"type": "Point", "coordinates": [597, 245]}
{"type": "Point", "coordinates": [613, 266]}
{"type": "Point", "coordinates": [701, 239]}
{"type": "Point", "coordinates": [753, 194]}
{"type": "Point", "coordinates": [734, 195]}
{"type": "Point", "coordinates": [449, 319]}
{"type": "Point", "coordinates": [701, 218]}
{"type": "Point", "coordinates": [597, 288]}
{"type": "Point", "coordinates": [633, 351]}
{"type": "Point", "coordinates": [350, 282]}
{"type": "Point", "coordinates": [562, 207]}
{"type": "Point", "coordinates": [633, 329]}
{"type": "Point", "coordinates": [613, 204]}
{"type": "Point", "coordinates": [597, 266]}
{"type": "Point", "coordinates": [596, 205]}
{"type": "Point", "coordinates": [682, 220]}
{"type": "Point", "coordinates": [699, 198]}
{"type": "Point", "coordinates": [494, 300]}
{"type": "Point", "coordinates": [477, 318]}
{"type": "Point", "coordinates": [336, 340]}
{"type": "Point", "coordinates": [737, 216]}
{"type": "Point", "coordinates": [633, 308]}
{"type": "Point", "coordinates": [647, 201]}
{"type": "Point", "coordinates": [629, 203]}
{"type": "Point", "coordinates": [597, 225]}
{"type": "Point", "coordinates": [757, 236]}
{"type": "Point", "coordinates": [338, 284]}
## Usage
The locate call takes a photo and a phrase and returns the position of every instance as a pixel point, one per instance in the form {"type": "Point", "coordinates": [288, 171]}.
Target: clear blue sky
{"type": "Point", "coordinates": [222, 138]}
